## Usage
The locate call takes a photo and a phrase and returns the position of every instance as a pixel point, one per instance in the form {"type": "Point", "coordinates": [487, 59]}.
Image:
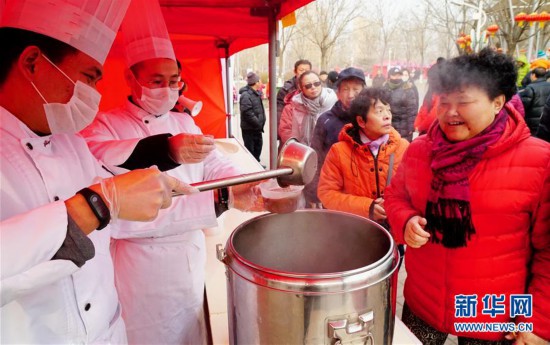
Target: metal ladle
{"type": "Point", "coordinates": [296, 165]}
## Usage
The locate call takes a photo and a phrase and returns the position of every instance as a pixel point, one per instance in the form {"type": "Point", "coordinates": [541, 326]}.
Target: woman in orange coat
{"type": "Point", "coordinates": [358, 167]}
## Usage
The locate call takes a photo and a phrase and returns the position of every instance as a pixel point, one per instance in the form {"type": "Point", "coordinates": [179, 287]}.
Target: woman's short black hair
{"type": "Point", "coordinates": [14, 41]}
{"type": "Point", "coordinates": [360, 106]}
{"type": "Point", "coordinates": [493, 72]}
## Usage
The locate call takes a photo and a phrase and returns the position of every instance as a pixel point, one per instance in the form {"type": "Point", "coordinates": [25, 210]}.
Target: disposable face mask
{"type": "Point", "coordinates": [75, 115]}
{"type": "Point", "coordinates": [157, 101]}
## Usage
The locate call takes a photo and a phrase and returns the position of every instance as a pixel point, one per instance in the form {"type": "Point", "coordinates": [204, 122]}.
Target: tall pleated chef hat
{"type": "Point", "coordinates": [144, 33]}
{"type": "Point", "coordinates": [87, 25]}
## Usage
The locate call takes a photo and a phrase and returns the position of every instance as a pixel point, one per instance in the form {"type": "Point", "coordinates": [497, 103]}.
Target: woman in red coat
{"type": "Point", "coordinates": [471, 199]}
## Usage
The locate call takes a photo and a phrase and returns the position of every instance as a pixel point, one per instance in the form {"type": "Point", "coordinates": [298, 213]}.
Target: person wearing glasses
{"type": "Point", "coordinates": [300, 115]}
{"type": "Point", "coordinates": [159, 268]}
{"type": "Point", "coordinates": [290, 87]}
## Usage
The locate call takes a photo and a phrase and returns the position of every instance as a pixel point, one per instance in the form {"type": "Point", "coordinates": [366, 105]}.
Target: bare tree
{"type": "Point", "coordinates": [367, 33]}
{"type": "Point", "coordinates": [448, 20]}
{"type": "Point", "coordinates": [512, 35]}
{"type": "Point", "coordinates": [253, 59]}
{"type": "Point", "coordinates": [420, 34]}
{"type": "Point", "coordinates": [300, 49]}
{"type": "Point", "coordinates": [330, 33]}
{"type": "Point", "coordinates": [286, 36]}
{"type": "Point", "coordinates": [325, 21]}
{"type": "Point", "coordinates": [453, 18]}
{"type": "Point", "coordinates": [387, 25]}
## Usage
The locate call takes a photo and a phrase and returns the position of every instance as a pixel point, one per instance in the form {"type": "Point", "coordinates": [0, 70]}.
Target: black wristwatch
{"type": "Point", "coordinates": [98, 206]}
{"type": "Point", "coordinates": [222, 203]}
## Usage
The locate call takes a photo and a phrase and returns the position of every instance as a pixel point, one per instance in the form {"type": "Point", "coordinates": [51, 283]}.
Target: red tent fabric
{"type": "Point", "coordinates": [196, 28]}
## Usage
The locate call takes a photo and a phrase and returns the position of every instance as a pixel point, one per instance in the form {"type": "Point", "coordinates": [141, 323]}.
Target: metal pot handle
{"type": "Point", "coordinates": [345, 332]}
{"type": "Point", "coordinates": [240, 179]}
{"type": "Point", "coordinates": [220, 252]}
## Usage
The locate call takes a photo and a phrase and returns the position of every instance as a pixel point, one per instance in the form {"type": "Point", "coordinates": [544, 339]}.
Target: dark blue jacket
{"type": "Point", "coordinates": [326, 132]}
{"type": "Point", "coordinates": [327, 129]}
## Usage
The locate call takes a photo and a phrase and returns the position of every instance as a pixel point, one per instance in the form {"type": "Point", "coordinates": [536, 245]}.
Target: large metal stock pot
{"type": "Point", "coordinates": [310, 277]}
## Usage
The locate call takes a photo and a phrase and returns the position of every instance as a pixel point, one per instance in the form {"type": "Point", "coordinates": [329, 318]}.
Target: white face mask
{"type": "Point", "coordinates": [75, 115]}
{"type": "Point", "coordinates": [156, 101]}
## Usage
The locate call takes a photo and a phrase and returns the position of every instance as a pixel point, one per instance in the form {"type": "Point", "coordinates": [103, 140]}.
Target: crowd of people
{"type": "Point", "coordinates": [444, 177]}
{"type": "Point", "coordinates": [96, 250]}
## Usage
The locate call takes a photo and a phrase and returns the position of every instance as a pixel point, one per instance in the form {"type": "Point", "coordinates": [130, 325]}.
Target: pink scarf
{"type": "Point", "coordinates": [374, 145]}
{"type": "Point", "coordinates": [448, 212]}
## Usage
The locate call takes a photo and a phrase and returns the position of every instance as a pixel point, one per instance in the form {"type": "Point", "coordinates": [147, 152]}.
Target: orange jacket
{"type": "Point", "coordinates": [351, 178]}
{"type": "Point", "coordinates": [510, 251]}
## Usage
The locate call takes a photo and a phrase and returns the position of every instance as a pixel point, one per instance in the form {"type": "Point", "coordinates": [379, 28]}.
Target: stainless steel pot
{"type": "Point", "coordinates": [310, 277]}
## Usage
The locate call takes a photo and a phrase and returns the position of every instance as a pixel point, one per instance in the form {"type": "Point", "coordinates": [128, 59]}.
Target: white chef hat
{"type": "Point", "coordinates": [144, 33]}
{"type": "Point", "coordinates": [87, 25]}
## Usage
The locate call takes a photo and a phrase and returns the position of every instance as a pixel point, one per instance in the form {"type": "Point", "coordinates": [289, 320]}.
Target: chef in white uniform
{"type": "Point", "coordinates": [57, 282]}
{"type": "Point", "coordinates": [160, 270]}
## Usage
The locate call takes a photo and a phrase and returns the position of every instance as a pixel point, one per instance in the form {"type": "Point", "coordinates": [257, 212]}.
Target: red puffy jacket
{"type": "Point", "coordinates": [426, 116]}
{"type": "Point", "coordinates": [510, 251]}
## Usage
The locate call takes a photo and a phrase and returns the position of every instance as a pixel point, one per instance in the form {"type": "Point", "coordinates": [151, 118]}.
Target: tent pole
{"type": "Point", "coordinates": [223, 44]}
{"type": "Point", "coordinates": [273, 51]}
{"type": "Point", "coordinates": [229, 92]}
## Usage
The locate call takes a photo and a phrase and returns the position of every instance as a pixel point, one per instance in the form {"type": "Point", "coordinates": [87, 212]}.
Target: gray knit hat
{"type": "Point", "coordinates": [252, 78]}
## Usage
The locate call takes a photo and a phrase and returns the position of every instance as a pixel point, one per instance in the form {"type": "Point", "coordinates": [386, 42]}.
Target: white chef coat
{"type": "Point", "coordinates": [159, 270]}
{"type": "Point", "coordinates": [43, 300]}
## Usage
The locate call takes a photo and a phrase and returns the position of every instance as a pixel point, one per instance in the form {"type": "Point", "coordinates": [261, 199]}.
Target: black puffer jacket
{"type": "Point", "coordinates": [252, 110]}
{"type": "Point", "coordinates": [404, 107]}
{"type": "Point", "coordinates": [544, 126]}
{"type": "Point", "coordinates": [533, 97]}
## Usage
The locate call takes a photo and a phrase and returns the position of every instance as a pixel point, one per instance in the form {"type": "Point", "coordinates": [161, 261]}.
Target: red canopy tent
{"type": "Point", "coordinates": [203, 32]}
